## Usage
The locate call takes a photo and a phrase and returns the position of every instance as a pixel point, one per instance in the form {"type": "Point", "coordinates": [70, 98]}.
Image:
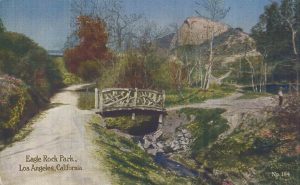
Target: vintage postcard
{"type": "Point", "coordinates": [181, 92]}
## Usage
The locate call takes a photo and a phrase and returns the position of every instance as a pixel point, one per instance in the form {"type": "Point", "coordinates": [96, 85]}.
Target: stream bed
{"type": "Point", "coordinates": [169, 164]}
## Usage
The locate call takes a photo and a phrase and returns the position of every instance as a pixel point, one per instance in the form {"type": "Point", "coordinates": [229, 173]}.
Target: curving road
{"type": "Point", "coordinates": [62, 140]}
{"type": "Point", "coordinates": [235, 108]}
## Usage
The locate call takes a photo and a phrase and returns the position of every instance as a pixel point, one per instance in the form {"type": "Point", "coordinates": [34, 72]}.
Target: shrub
{"type": "Point", "coordinates": [289, 114]}
{"type": "Point", "coordinates": [14, 98]}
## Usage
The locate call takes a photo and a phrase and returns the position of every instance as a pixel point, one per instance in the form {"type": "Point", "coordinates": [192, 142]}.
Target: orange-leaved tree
{"type": "Point", "coordinates": [91, 54]}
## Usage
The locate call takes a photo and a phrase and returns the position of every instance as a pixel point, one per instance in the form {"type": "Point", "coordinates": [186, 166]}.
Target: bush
{"type": "Point", "coordinates": [289, 114]}
{"type": "Point", "coordinates": [89, 70]}
{"type": "Point", "coordinates": [128, 163]}
{"type": "Point", "coordinates": [68, 78]}
{"type": "Point", "coordinates": [206, 127]}
{"type": "Point", "coordinates": [22, 58]}
{"type": "Point", "coordinates": [86, 100]}
{"type": "Point", "coordinates": [15, 98]}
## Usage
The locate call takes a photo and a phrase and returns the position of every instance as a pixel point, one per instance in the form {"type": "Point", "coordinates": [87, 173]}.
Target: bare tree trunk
{"type": "Point", "coordinates": [265, 90]}
{"type": "Point", "coordinates": [294, 34]}
{"type": "Point", "coordinates": [252, 75]}
{"type": "Point", "coordinates": [190, 74]}
{"type": "Point", "coordinates": [240, 68]}
{"type": "Point", "coordinates": [294, 41]}
{"type": "Point", "coordinates": [179, 87]}
{"type": "Point", "coordinates": [209, 70]}
{"type": "Point", "coordinates": [201, 76]}
{"type": "Point", "coordinates": [297, 73]}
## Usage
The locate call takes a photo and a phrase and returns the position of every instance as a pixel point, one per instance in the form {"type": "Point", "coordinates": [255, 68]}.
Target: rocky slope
{"type": "Point", "coordinates": [231, 46]}
{"type": "Point", "coordinates": [196, 31]}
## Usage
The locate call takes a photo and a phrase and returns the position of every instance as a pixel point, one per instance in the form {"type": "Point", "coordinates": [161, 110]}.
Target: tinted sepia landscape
{"type": "Point", "coordinates": [101, 92]}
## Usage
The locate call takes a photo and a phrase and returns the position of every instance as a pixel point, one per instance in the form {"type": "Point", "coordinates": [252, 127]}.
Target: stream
{"type": "Point", "coordinates": [169, 164]}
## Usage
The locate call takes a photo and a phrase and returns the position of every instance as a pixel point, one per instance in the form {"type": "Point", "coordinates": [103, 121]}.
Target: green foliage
{"type": "Point", "coordinates": [258, 148]}
{"type": "Point", "coordinates": [206, 126]}
{"type": "Point", "coordinates": [280, 170]}
{"type": "Point", "coordinates": [33, 77]}
{"type": "Point", "coordinates": [132, 69]}
{"type": "Point", "coordinates": [270, 33]}
{"type": "Point", "coordinates": [68, 78]}
{"type": "Point", "coordinates": [2, 28]}
{"type": "Point", "coordinates": [264, 145]}
{"type": "Point", "coordinates": [129, 164]}
{"type": "Point", "coordinates": [15, 98]}
{"type": "Point", "coordinates": [273, 35]}
{"type": "Point", "coordinates": [86, 100]}
{"type": "Point", "coordinates": [89, 70]}
{"type": "Point", "coordinates": [24, 59]}
{"type": "Point", "coordinates": [196, 95]}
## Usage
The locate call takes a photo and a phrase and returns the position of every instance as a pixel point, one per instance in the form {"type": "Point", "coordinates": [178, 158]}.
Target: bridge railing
{"type": "Point", "coordinates": [128, 99]}
{"type": "Point", "coordinates": [115, 98]}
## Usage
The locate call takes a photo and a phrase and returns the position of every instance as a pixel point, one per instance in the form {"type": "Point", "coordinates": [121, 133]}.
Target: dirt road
{"type": "Point", "coordinates": [60, 146]}
{"type": "Point", "coordinates": [235, 107]}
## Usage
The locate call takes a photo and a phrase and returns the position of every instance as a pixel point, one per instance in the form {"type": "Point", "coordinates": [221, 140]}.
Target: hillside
{"type": "Point", "coordinates": [234, 51]}
{"type": "Point", "coordinates": [196, 30]}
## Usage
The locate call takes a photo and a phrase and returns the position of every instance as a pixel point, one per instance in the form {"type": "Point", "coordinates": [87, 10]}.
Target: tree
{"type": "Point", "coordinates": [120, 25]}
{"type": "Point", "coordinates": [292, 23]}
{"type": "Point", "coordinates": [2, 28]}
{"type": "Point", "coordinates": [92, 47]}
{"type": "Point", "coordinates": [277, 35]}
{"type": "Point", "coordinates": [214, 10]}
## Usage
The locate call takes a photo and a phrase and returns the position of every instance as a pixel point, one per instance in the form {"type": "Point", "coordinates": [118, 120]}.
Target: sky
{"type": "Point", "coordinates": [47, 22]}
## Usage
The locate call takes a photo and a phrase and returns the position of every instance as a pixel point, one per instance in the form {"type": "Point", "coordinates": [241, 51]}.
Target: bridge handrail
{"type": "Point", "coordinates": [130, 99]}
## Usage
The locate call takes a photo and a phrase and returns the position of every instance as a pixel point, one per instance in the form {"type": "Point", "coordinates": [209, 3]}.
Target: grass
{"type": "Point", "coordinates": [22, 133]}
{"type": "Point", "coordinates": [86, 100]}
{"type": "Point", "coordinates": [253, 149]}
{"type": "Point", "coordinates": [206, 127]}
{"type": "Point", "coordinates": [196, 95]}
{"type": "Point", "coordinates": [128, 163]}
{"type": "Point", "coordinates": [253, 95]}
{"type": "Point", "coordinates": [68, 78]}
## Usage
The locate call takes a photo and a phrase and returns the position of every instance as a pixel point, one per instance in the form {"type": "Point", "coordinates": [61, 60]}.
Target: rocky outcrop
{"type": "Point", "coordinates": [155, 142]}
{"type": "Point", "coordinates": [196, 31]}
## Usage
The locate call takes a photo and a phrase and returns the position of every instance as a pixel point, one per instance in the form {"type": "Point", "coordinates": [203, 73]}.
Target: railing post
{"type": "Point", "coordinates": [96, 98]}
{"type": "Point", "coordinates": [164, 98]}
{"type": "Point", "coordinates": [135, 97]}
{"type": "Point", "coordinates": [160, 119]}
{"type": "Point", "coordinates": [134, 103]}
{"type": "Point", "coordinates": [101, 101]}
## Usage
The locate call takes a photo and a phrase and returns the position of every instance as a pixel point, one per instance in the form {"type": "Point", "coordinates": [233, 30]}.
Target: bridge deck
{"type": "Point", "coordinates": [125, 101]}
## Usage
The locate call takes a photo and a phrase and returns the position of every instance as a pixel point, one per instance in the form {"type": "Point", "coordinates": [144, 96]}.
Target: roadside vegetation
{"type": "Point", "coordinates": [196, 95]}
{"type": "Point", "coordinates": [67, 77]}
{"type": "Point", "coordinates": [128, 163]}
{"type": "Point", "coordinates": [28, 77]}
{"type": "Point", "coordinates": [259, 151]}
{"type": "Point", "coordinates": [206, 126]}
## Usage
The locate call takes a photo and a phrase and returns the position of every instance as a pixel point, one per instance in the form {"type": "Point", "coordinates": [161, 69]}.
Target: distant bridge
{"type": "Point", "coordinates": [55, 53]}
{"type": "Point", "coordinates": [124, 101]}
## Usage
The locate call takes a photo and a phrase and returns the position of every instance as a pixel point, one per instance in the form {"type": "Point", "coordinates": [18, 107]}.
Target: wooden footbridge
{"type": "Point", "coordinates": [121, 101]}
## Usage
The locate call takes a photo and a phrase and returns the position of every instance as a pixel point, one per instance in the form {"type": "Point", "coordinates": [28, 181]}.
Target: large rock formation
{"type": "Point", "coordinates": [196, 31]}
{"type": "Point", "coordinates": [234, 52]}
